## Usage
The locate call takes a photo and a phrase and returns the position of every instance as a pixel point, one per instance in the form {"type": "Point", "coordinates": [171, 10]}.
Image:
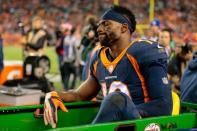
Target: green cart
{"type": "Point", "coordinates": [80, 115]}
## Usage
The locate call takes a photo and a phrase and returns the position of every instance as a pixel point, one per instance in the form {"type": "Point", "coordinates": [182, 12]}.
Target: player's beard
{"type": "Point", "coordinates": [107, 39]}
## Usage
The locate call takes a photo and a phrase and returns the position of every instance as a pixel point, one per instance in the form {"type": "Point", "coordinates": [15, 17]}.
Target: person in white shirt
{"type": "Point", "coordinates": [70, 60]}
{"type": "Point", "coordinates": [165, 39]}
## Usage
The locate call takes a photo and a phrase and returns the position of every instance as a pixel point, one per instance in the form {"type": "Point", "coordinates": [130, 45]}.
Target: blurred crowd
{"type": "Point", "coordinates": [173, 13]}
{"type": "Point", "coordinates": [12, 12]}
{"type": "Point", "coordinates": [72, 27]}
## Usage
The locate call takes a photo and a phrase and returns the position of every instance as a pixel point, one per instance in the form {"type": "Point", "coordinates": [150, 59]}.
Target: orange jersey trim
{"type": "Point", "coordinates": [108, 65]}
{"type": "Point", "coordinates": [95, 68]}
{"type": "Point", "coordinates": [136, 67]}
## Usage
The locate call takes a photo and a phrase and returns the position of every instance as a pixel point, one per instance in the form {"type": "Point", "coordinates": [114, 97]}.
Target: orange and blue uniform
{"type": "Point", "coordinates": [138, 73]}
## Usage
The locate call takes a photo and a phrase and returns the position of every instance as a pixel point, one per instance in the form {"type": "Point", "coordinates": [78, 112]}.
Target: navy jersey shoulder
{"type": "Point", "coordinates": [96, 56]}
{"type": "Point", "coordinates": [147, 51]}
{"type": "Point", "coordinates": [94, 60]}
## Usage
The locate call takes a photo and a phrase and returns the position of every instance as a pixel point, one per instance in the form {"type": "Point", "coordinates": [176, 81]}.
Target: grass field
{"type": "Point", "coordinates": [15, 53]}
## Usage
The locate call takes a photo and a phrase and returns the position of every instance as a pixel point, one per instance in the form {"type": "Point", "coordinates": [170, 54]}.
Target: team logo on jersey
{"type": "Point", "coordinates": [111, 68]}
{"type": "Point", "coordinates": [165, 80]}
{"type": "Point", "coordinates": [152, 127]}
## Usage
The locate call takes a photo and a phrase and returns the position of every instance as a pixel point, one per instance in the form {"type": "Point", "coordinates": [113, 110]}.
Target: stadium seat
{"type": "Point", "coordinates": [176, 104]}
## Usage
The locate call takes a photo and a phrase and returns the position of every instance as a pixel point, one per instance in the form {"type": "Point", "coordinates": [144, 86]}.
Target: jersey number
{"type": "Point", "coordinates": [116, 85]}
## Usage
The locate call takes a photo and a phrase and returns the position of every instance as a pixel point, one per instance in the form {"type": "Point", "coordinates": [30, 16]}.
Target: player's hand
{"type": "Point", "coordinates": [51, 103]}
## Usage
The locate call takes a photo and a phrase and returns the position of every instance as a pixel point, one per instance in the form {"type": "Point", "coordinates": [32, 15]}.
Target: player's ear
{"type": "Point", "coordinates": [124, 28]}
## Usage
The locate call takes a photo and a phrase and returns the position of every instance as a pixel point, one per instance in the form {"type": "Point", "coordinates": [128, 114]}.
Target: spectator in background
{"type": "Point", "coordinates": [88, 42]}
{"type": "Point", "coordinates": [154, 30]}
{"type": "Point", "coordinates": [188, 82]}
{"type": "Point", "coordinates": [177, 65]}
{"type": "Point", "coordinates": [36, 38]}
{"type": "Point", "coordinates": [61, 33]}
{"type": "Point", "coordinates": [1, 53]}
{"type": "Point", "coordinates": [166, 40]}
{"type": "Point", "coordinates": [71, 62]}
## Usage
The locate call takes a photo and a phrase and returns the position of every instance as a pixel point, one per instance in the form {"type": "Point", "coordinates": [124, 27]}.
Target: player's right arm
{"type": "Point", "coordinates": [53, 100]}
{"type": "Point", "coordinates": [88, 90]}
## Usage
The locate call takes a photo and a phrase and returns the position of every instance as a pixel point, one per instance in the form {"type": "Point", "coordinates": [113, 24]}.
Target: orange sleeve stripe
{"type": "Point", "coordinates": [136, 67]}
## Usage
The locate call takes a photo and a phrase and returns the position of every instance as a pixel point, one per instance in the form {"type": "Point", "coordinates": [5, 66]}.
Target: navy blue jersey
{"type": "Point", "coordinates": [188, 82]}
{"type": "Point", "coordinates": [140, 71]}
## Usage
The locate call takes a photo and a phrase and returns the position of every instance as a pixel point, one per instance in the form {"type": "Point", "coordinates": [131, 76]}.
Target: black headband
{"type": "Point", "coordinates": [113, 15]}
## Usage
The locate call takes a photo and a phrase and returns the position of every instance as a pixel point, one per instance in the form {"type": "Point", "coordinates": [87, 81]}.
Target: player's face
{"type": "Point", "coordinates": [164, 38]}
{"type": "Point", "coordinates": [108, 31]}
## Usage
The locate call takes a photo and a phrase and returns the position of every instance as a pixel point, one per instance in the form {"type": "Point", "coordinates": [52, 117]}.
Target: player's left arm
{"type": "Point", "coordinates": [153, 66]}
{"type": "Point", "coordinates": [159, 91]}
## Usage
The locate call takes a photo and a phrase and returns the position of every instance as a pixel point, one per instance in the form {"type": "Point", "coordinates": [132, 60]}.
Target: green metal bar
{"type": "Point", "coordinates": [166, 123]}
{"type": "Point", "coordinates": [84, 103]}
{"type": "Point", "coordinates": [190, 105]}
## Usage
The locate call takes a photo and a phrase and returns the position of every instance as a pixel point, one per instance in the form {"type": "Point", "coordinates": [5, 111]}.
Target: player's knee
{"type": "Point", "coordinates": [116, 98]}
